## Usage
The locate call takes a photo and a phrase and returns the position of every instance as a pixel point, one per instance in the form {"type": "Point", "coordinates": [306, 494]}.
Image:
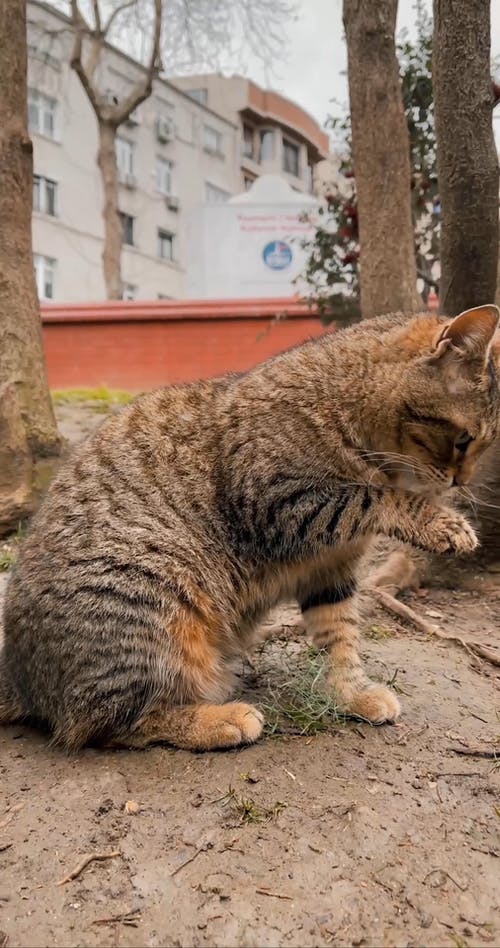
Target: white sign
{"type": "Point", "coordinates": [251, 246]}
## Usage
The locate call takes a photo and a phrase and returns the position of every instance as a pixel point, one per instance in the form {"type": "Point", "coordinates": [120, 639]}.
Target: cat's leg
{"type": "Point", "coordinates": [415, 520]}
{"type": "Point", "coordinates": [330, 612]}
{"type": "Point", "coordinates": [303, 524]}
{"type": "Point", "coordinates": [197, 727]}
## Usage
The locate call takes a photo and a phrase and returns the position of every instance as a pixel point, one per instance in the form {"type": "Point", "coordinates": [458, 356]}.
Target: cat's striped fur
{"type": "Point", "coordinates": [174, 529]}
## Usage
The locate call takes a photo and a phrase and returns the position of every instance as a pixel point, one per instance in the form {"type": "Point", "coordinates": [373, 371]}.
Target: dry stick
{"type": "Point", "coordinates": [400, 609]}
{"type": "Point", "coordinates": [95, 857]}
{"type": "Point", "coordinates": [134, 915]}
{"type": "Point", "coordinates": [274, 895]}
{"type": "Point", "coordinates": [11, 813]}
{"type": "Point", "coordinates": [186, 862]}
{"type": "Point", "coordinates": [493, 754]}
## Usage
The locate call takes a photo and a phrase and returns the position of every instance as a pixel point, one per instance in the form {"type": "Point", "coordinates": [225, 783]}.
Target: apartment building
{"type": "Point", "coordinates": [178, 152]}
{"type": "Point", "coordinates": [276, 136]}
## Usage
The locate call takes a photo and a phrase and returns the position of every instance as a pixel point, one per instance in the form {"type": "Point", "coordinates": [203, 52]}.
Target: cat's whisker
{"type": "Point", "coordinates": [413, 463]}
{"type": "Point", "coordinates": [484, 503]}
{"type": "Point", "coordinates": [468, 496]}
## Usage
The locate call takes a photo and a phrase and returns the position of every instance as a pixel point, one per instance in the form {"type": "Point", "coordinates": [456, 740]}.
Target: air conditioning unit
{"type": "Point", "coordinates": [134, 119]}
{"type": "Point", "coordinates": [129, 180]}
{"type": "Point", "coordinates": [165, 129]}
{"type": "Point", "coordinates": [110, 97]}
{"type": "Point", "coordinates": [172, 202]}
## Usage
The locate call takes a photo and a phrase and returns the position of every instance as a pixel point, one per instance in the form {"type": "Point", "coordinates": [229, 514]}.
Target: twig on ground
{"type": "Point", "coordinates": [94, 857]}
{"type": "Point", "coordinates": [10, 814]}
{"type": "Point", "coordinates": [201, 849]}
{"type": "Point", "coordinates": [400, 609]}
{"type": "Point", "coordinates": [440, 879]}
{"type": "Point", "coordinates": [493, 754]}
{"type": "Point", "coordinates": [274, 895]}
{"type": "Point", "coordinates": [128, 918]}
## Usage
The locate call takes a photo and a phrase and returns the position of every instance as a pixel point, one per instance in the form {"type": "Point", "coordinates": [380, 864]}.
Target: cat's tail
{"type": "Point", "coordinates": [11, 709]}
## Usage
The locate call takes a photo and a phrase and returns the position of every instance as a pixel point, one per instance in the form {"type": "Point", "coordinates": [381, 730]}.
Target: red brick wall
{"type": "Point", "coordinates": [138, 346]}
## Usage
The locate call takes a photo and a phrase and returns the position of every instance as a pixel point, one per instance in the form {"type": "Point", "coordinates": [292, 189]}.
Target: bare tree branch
{"type": "Point", "coordinates": [142, 90]}
{"type": "Point", "coordinates": [94, 56]}
{"type": "Point", "coordinates": [82, 28]}
{"type": "Point", "coordinates": [114, 14]}
{"type": "Point", "coordinates": [97, 15]}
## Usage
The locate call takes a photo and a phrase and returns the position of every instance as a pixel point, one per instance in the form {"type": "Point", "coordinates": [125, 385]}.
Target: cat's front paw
{"type": "Point", "coordinates": [449, 532]}
{"type": "Point", "coordinates": [374, 703]}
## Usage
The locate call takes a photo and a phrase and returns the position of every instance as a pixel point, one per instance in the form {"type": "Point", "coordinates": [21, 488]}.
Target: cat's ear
{"type": "Point", "coordinates": [469, 335]}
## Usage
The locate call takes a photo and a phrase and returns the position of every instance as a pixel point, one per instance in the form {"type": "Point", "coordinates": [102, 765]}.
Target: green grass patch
{"type": "Point", "coordinates": [7, 559]}
{"type": "Point", "coordinates": [377, 632]}
{"type": "Point", "coordinates": [101, 395]}
{"type": "Point", "coordinates": [302, 704]}
{"type": "Point", "coordinates": [246, 810]}
{"type": "Point", "coordinates": [9, 549]}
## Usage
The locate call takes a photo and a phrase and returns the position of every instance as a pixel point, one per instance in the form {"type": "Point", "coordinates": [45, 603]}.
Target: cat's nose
{"type": "Point", "coordinates": [460, 479]}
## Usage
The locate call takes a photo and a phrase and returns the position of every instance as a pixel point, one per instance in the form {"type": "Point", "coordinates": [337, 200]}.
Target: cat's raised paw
{"type": "Point", "coordinates": [452, 533]}
{"type": "Point", "coordinates": [375, 704]}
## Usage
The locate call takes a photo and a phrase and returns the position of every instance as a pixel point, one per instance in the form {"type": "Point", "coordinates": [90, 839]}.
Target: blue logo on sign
{"type": "Point", "coordinates": [277, 255]}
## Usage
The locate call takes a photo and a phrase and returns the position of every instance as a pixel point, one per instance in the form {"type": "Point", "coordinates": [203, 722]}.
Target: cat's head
{"type": "Point", "coordinates": [448, 400]}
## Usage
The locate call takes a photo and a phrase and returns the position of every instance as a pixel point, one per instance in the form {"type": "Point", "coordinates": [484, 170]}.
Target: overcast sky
{"type": "Point", "coordinates": [316, 55]}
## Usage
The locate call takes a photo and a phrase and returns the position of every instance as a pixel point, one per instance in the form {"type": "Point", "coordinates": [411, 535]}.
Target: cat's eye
{"type": "Point", "coordinates": [463, 440]}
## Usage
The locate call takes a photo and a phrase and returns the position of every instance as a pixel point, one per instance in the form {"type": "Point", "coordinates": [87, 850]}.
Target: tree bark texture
{"type": "Point", "coordinates": [381, 160]}
{"type": "Point", "coordinates": [29, 441]}
{"type": "Point", "coordinates": [467, 159]}
{"type": "Point", "coordinates": [113, 233]}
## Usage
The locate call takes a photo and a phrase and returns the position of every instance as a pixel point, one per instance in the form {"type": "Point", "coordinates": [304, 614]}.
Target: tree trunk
{"type": "Point", "coordinates": [497, 297]}
{"type": "Point", "coordinates": [113, 230]}
{"type": "Point", "coordinates": [381, 157]}
{"type": "Point", "coordinates": [467, 159]}
{"type": "Point", "coordinates": [29, 441]}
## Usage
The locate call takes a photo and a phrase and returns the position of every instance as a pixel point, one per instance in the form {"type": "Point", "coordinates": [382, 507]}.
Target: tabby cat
{"type": "Point", "coordinates": [172, 531]}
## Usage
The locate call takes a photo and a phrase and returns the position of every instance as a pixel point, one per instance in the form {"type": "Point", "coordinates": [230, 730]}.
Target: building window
{"type": "Point", "coordinates": [163, 174]}
{"type": "Point", "coordinates": [215, 195]}
{"type": "Point", "coordinates": [41, 113]}
{"type": "Point", "coordinates": [128, 228]}
{"type": "Point", "coordinates": [266, 150]}
{"type": "Point", "coordinates": [44, 195]}
{"type": "Point", "coordinates": [212, 140]}
{"type": "Point", "coordinates": [291, 158]}
{"type": "Point", "coordinates": [165, 245]}
{"type": "Point", "coordinates": [45, 268]}
{"type": "Point", "coordinates": [247, 145]}
{"type": "Point", "coordinates": [125, 156]}
{"type": "Point", "coordinates": [199, 95]}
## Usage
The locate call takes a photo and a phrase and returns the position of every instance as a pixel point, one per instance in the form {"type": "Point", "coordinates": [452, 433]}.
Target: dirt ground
{"type": "Point", "coordinates": [349, 836]}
